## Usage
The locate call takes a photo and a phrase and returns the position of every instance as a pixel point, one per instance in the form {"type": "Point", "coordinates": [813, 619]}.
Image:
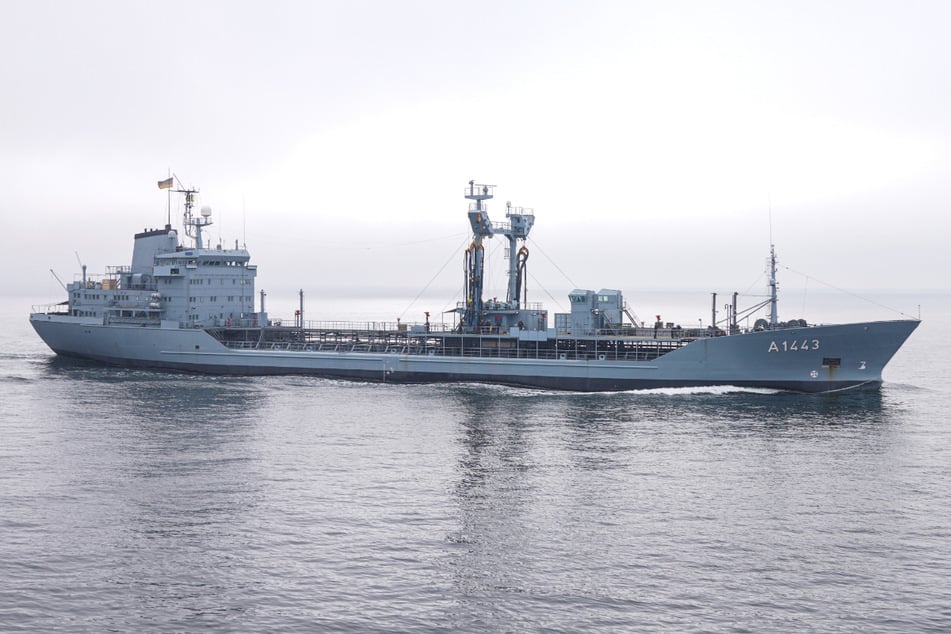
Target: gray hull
{"type": "Point", "coordinates": [808, 359]}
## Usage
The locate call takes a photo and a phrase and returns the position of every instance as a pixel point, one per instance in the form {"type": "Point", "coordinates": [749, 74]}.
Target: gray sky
{"type": "Point", "coordinates": [335, 138]}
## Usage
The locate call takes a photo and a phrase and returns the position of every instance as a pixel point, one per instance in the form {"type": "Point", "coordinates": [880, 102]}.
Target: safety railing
{"type": "Point", "coordinates": [642, 351]}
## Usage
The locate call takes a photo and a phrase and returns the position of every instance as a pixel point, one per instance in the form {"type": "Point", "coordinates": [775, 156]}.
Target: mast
{"type": "Point", "coordinates": [734, 328]}
{"type": "Point", "coordinates": [520, 221]}
{"type": "Point", "coordinates": [475, 254]}
{"type": "Point", "coordinates": [517, 227]}
{"type": "Point", "coordinates": [511, 292]}
{"type": "Point", "coordinates": [773, 304]}
{"type": "Point", "coordinates": [193, 224]}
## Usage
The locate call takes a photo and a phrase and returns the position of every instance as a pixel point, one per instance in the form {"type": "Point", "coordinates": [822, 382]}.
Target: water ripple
{"type": "Point", "coordinates": [150, 501]}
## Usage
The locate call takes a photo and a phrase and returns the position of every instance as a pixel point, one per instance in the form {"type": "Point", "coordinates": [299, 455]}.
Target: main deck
{"type": "Point", "coordinates": [629, 344]}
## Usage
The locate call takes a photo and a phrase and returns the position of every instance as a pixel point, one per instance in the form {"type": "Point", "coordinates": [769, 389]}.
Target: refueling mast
{"type": "Point", "coordinates": [479, 316]}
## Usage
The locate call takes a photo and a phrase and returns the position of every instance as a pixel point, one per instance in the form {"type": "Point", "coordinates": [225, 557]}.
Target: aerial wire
{"type": "Point", "coordinates": [558, 268]}
{"type": "Point", "coordinates": [850, 293]}
{"type": "Point", "coordinates": [547, 292]}
{"type": "Point", "coordinates": [454, 254]}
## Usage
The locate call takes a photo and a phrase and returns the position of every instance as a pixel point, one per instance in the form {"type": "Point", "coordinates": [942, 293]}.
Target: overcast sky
{"type": "Point", "coordinates": [654, 140]}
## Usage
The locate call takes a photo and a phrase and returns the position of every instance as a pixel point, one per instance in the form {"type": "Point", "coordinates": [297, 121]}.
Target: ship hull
{"type": "Point", "coordinates": [808, 359]}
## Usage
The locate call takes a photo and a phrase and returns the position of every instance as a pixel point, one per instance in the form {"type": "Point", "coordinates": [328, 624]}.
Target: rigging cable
{"type": "Point", "coordinates": [547, 292]}
{"type": "Point", "coordinates": [558, 268]}
{"type": "Point", "coordinates": [856, 296]}
{"type": "Point", "coordinates": [454, 254]}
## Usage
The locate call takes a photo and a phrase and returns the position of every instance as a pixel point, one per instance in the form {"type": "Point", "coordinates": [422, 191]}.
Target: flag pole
{"type": "Point", "coordinates": [169, 192]}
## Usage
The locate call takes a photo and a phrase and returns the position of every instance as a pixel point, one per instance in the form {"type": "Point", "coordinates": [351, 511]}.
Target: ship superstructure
{"type": "Point", "coordinates": [193, 308]}
{"type": "Point", "coordinates": [170, 285]}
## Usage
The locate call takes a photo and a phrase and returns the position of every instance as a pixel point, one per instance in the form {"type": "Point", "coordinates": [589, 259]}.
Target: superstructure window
{"type": "Point", "coordinates": [832, 362]}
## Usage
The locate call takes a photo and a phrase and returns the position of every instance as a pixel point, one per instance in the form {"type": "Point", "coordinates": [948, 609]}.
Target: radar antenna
{"type": "Point", "coordinates": [193, 223]}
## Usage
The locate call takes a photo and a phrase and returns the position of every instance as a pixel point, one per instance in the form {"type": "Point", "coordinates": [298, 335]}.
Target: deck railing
{"type": "Point", "coordinates": [642, 351]}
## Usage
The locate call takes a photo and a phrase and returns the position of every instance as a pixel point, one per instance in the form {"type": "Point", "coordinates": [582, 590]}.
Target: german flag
{"type": "Point", "coordinates": [165, 184]}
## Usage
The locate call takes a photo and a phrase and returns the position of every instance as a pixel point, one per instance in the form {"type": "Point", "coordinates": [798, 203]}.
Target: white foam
{"type": "Point", "coordinates": [707, 390]}
{"type": "Point", "coordinates": [663, 391]}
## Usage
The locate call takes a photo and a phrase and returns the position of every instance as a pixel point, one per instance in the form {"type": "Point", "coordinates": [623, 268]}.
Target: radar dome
{"type": "Point", "coordinates": [205, 211]}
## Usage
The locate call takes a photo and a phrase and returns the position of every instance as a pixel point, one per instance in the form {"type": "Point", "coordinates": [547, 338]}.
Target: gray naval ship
{"type": "Point", "coordinates": [191, 308]}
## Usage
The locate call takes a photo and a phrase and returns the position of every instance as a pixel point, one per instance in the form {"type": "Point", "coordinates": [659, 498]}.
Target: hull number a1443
{"type": "Point", "coordinates": [794, 345]}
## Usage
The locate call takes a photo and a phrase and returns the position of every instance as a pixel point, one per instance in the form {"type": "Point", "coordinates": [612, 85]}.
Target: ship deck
{"type": "Point", "coordinates": [604, 346]}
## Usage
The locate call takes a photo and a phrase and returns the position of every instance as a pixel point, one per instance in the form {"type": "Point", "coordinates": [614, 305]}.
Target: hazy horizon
{"type": "Point", "coordinates": [662, 147]}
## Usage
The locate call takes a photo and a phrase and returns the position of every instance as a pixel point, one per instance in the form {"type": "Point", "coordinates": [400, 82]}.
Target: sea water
{"type": "Point", "coordinates": [133, 500]}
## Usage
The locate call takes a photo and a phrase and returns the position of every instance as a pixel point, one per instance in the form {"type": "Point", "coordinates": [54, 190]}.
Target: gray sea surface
{"type": "Point", "coordinates": [133, 500]}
